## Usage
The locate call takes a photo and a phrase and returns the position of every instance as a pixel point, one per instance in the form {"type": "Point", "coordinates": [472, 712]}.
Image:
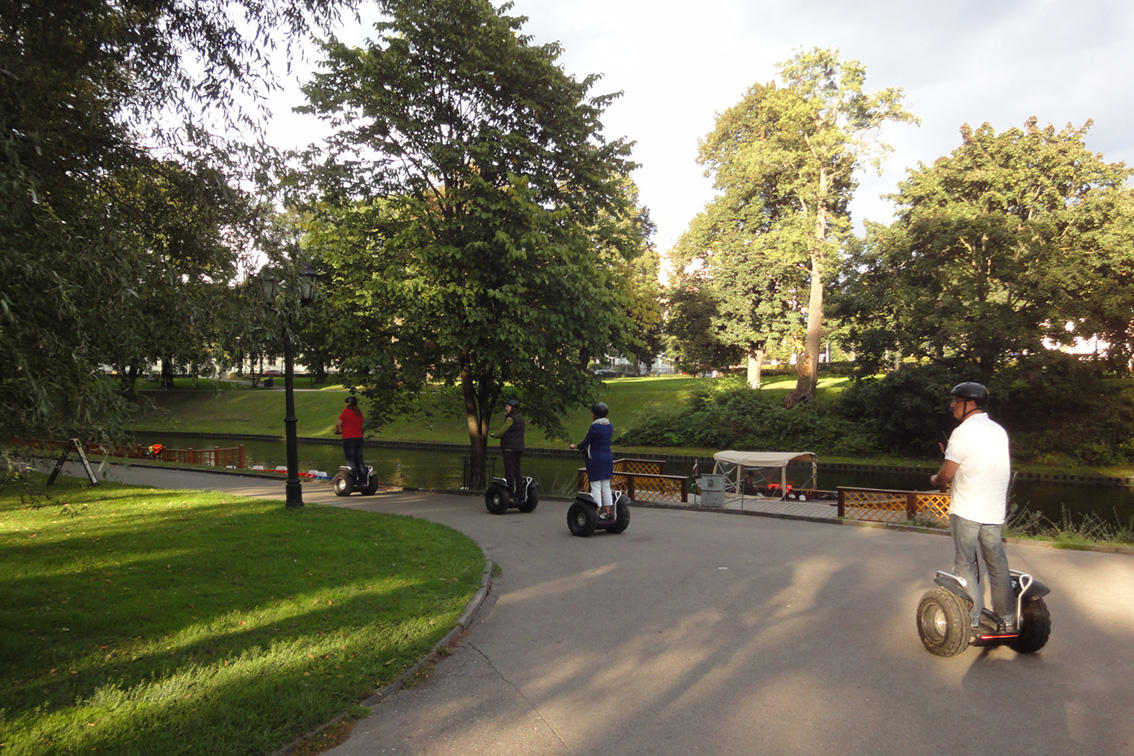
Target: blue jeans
{"type": "Point", "coordinates": [968, 538]}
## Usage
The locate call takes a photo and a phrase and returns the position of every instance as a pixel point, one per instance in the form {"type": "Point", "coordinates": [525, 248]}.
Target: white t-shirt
{"type": "Point", "coordinates": [980, 487]}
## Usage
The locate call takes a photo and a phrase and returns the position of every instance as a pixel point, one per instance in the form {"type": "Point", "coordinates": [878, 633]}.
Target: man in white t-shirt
{"type": "Point", "coordinates": [978, 466]}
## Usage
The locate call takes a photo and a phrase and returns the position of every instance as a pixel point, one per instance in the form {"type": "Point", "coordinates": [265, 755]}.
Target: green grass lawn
{"type": "Point", "coordinates": [235, 408]}
{"type": "Point", "coordinates": [139, 621]}
{"type": "Point", "coordinates": [229, 408]}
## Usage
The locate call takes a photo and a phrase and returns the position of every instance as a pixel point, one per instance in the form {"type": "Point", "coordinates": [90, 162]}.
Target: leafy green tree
{"type": "Point", "coordinates": [643, 290]}
{"type": "Point", "coordinates": [784, 161]}
{"type": "Point", "coordinates": [636, 264]}
{"type": "Point", "coordinates": [1013, 238]}
{"type": "Point", "coordinates": [754, 299]}
{"type": "Point", "coordinates": [98, 100]}
{"type": "Point", "coordinates": [472, 211]}
{"type": "Point", "coordinates": [180, 250]}
{"type": "Point", "coordinates": [693, 341]}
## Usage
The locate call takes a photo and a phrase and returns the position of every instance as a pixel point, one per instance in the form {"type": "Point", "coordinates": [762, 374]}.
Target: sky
{"type": "Point", "coordinates": [679, 64]}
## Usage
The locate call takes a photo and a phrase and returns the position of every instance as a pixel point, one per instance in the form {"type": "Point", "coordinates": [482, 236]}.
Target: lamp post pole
{"type": "Point", "coordinates": [270, 281]}
{"type": "Point", "coordinates": [293, 491]}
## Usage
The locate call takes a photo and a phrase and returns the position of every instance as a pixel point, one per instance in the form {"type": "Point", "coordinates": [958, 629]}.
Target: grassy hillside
{"type": "Point", "coordinates": [238, 409]}
{"type": "Point", "coordinates": [232, 408]}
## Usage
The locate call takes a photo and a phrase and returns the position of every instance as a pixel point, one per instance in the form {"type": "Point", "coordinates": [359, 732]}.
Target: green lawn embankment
{"type": "Point", "coordinates": [239, 409]}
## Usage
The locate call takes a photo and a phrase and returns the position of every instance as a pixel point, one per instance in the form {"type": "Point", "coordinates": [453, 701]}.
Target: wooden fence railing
{"type": "Point", "coordinates": [217, 456]}
{"type": "Point", "coordinates": [880, 505]}
{"type": "Point", "coordinates": [643, 480]}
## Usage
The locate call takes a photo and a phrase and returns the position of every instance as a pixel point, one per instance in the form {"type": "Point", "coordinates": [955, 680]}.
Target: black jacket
{"type": "Point", "coordinates": [513, 438]}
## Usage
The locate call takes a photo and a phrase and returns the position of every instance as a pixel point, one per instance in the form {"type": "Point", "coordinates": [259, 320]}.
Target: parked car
{"type": "Point", "coordinates": [606, 373]}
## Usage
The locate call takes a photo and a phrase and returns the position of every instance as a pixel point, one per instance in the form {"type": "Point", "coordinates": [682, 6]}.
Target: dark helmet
{"type": "Point", "coordinates": [598, 409]}
{"type": "Point", "coordinates": [974, 392]}
{"type": "Point", "coordinates": [513, 403]}
{"type": "Point", "coordinates": [351, 401]}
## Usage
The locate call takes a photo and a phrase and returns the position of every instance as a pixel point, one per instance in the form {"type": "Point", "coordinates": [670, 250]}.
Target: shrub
{"type": "Point", "coordinates": [729, 415]}
{"type": "Point", "coordinates": [906, 411]}
{"type": "Point", "coordinates": [1056, 409]}
{"type": "Point", "coordinates": [1054, 403]}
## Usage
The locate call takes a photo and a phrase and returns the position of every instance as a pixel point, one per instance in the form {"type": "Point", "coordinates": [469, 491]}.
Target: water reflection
{"type": "Point", "coordinates": [395, 467]}
{"type": "Point", "coordinates": [557, 475]}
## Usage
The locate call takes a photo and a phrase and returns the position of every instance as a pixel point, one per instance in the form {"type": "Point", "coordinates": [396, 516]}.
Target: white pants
{"type": "Point", "coordinates": [600, 492]}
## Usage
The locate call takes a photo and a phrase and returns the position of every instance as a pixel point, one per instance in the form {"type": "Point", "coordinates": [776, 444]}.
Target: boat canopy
{"type": "Point", "coordinates": [751, 473]}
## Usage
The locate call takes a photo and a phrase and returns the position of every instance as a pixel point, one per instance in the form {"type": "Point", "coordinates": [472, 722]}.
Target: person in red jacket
{"type": "Point", "coordinates": [349, 427]}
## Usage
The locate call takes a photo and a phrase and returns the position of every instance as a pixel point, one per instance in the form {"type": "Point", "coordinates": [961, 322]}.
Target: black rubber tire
{"type": "Point", "coordinates": [943, 622]}
{"type": "Point", "coordinates": [621, 516]}
{"type": "Point", "coordinates": [582, 519]}
{"type": "Point", "coordinates": [496, 499]}
{"type": "Point", "coordinates": [371, 487]}
{"type": "Point", "coordinates": [533, 498]}
{"type": "Point", "coordinates": [343, 484]}
{"type": "Point", "coordinates": [1035, 628]}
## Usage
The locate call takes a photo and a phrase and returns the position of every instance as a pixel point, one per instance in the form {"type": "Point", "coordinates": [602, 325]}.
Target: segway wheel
{"type": "Point", "coordinates": [533, 498]}
{"type": "Point", "coordinates": [496, 499]}
{"type": "Point", "coordinates": [943, 622]}
{"type": "Point", "coordinates": [582, 519]}
{"type": "Point", "coordinates": [343, 484]}
{"type": "Point", "coordinates": [621, 515]}
{"type": "Point", "coordinates": [1035, 630]}
{"type": "Point", "coordinates": [371, 487]}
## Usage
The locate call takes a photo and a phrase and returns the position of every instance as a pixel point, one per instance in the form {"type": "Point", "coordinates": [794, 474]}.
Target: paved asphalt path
{"type": "Point", "coordinates": [707, 632]}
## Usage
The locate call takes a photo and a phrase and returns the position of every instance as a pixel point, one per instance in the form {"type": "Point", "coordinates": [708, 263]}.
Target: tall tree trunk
{"type": "Point", "coordinates": [128, 382]}
{"type": "Point", "coordinates": [755, 366]}
{"type": "Point", "coordinates": [166, 375]}
{"type": "Point", "coordinates": [478, 417]}
{"type": "Point", "coordinates": [807, 371]}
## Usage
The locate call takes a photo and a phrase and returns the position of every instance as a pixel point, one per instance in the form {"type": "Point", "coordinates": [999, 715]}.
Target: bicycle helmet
{"type": "Point", "coordinates": [598, 409]}
{"type": "Point", "coordinates": [973, 392]}
{"type": "Point", "coordinates": [513, 403]}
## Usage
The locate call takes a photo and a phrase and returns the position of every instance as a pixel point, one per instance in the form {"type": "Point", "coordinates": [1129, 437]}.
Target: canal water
{"type": "Point", "coordinates": [557, 475]}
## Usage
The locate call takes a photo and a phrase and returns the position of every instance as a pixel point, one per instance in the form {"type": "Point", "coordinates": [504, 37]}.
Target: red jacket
{"type": "Point", "coordinates": [352, 423]}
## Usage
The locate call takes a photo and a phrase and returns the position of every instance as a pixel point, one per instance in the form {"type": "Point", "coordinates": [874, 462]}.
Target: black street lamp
{"type": "Point", "coordinates": [293, 492]}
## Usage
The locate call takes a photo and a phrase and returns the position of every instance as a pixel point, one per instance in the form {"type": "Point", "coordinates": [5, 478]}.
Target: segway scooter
{"type": "Point", "coordinates": [583, 515]}
{"type": "Point", "coordinates": [345, 484]}
{"type": "Point", "coordinates": [498, 501]}
{"type": "Point", "coordinates": [943, 617]}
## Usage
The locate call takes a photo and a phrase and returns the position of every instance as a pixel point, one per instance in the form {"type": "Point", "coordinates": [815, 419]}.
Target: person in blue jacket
{"type": "Point", "coordinates": [600, 459]}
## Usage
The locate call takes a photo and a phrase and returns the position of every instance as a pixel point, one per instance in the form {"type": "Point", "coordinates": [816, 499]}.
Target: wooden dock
{"type": "Point", "coordinates": [823, 510]}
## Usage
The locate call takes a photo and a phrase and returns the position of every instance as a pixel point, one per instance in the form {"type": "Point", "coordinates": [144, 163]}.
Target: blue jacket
{"type": "Point", "coordinates": [600, 459]}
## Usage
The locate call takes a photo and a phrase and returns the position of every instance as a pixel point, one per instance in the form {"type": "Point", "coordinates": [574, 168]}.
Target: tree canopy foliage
{"type": "Point", "coordinates": [1014, 238]}
{"type": "Point", "coordinates": [784, 161]}
{"type": "Point", "coordinates": [118, 199]}
{"type": "Point", "coordinates": [478, 223]}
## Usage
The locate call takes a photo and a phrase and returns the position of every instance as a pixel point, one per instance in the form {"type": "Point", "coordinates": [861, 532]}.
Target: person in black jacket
{"type": "Point", "coordinates": [511, 436]}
